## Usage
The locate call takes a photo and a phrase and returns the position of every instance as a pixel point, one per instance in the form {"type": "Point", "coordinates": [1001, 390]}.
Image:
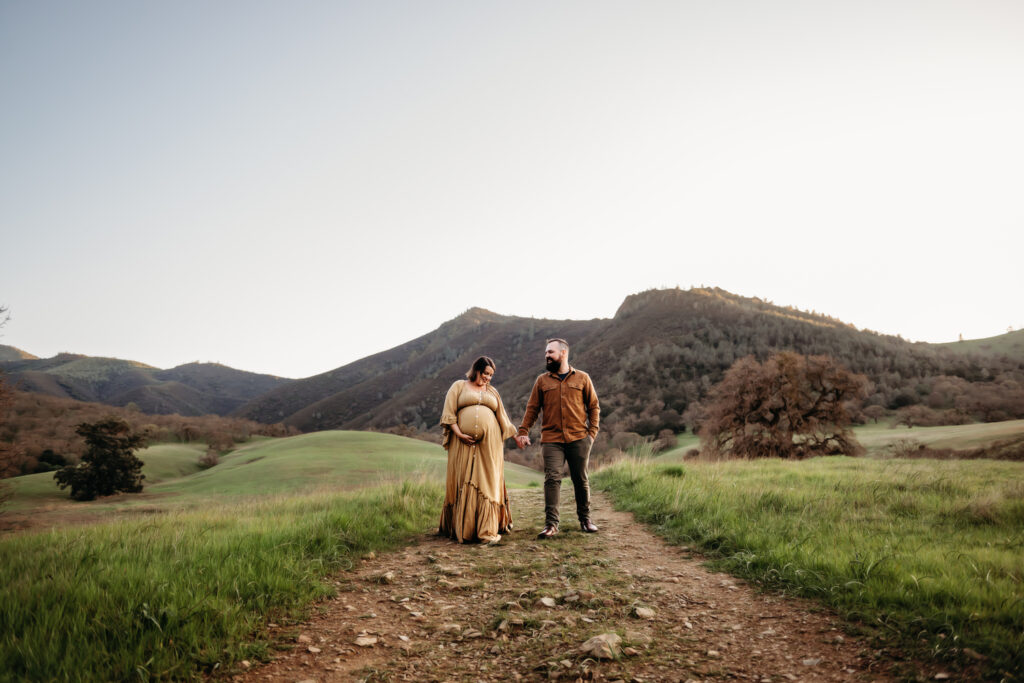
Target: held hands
{"type": "Point", "coordinates": [523, 441]}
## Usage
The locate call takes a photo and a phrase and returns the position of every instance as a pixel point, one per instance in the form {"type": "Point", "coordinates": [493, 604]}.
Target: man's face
{"type": "Point", "coordinates": [553, 355]}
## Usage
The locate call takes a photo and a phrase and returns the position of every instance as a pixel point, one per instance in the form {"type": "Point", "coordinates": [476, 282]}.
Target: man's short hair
{"type": "Point", "coordinates": [562, 344]}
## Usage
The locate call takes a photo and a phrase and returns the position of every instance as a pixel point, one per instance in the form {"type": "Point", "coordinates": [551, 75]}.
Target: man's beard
{"type": "Point", "coordinates": [553, 365]}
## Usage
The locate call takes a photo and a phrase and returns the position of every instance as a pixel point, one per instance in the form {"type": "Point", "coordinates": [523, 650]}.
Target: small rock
{"type": "Point", "coordinates": [813, 661]}
{"type": "Point", "coordinates": [404, 639]}
{"type": "Point", "coordinates": [366, 641]}
{"type": "Point", "coordinates": [471, 633]}
{"type": "Point", "coordinates": [304, 639]}
{"type": "Point", "coordinates": [942, 676]}
{"type": "Point", "coordinates": [271, 625]}
{"type": "Point", "coordinates": [586, 595]}
{"type": "Point", "coordinates": [974, 654]}
{"type": "Point", "coordinates": [245, 663]}
{"type": "Point", "coordinates": [503, 626]}
{"type": "Point", "coordinates": [687, 624]}
{"type": "Point", "coordinates": [451, 628]}
{"type": "Point", "coordinates": [371, 555]}
{"type": "Point", "coordinates": [838, 639]}
{"type": "Point", "coordinates": [630, 651]}
{"type": "Point", "coordinates": [604, 646]}
{"type": "Point", "coordinates": [451, 571]}
{"type": "Point", "coordinates": [566, 663]}
{"type": "Point", "coordinates": [714, 653]}
{"type": "Point", "coordinates": [313, 650]}
{"type": "Point", "coordinates": [643, 613]}
{"type": "Point", "coordinates": [546, 602]}
{"type": "Point", "coordinates": [638, 638]}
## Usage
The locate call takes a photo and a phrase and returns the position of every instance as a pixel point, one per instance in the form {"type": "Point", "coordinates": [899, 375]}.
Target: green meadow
{"type": "Point", "coordinates": [922, 553]}
{"type": "Point", "coordinates": [191, 591]}
{"type": "Point", "coordinates": [182, 579]}
{"type": "Point", "coordinates": [335, 460]}
{"type": "Point", "coordinates": [879, 438]}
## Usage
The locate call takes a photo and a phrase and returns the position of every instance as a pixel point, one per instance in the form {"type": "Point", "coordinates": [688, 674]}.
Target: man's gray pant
{"type": "Point", "coordinates": [577, 454]}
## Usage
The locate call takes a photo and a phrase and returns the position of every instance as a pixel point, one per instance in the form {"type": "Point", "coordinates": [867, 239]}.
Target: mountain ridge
{"type": "Point", "coordinates": [655, 357]}
{"type": "Point", "coordinates": [191, 389]}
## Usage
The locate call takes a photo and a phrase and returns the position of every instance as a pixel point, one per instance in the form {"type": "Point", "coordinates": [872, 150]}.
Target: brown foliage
{"type": "Point", "coordinates": [32, 423]}
{"type": "Point", "coordinates": [789, 406]}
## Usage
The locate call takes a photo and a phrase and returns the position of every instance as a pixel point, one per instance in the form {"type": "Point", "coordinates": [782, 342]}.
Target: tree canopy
{"type": "Point", "coordinates": [789, 406]}
{"type": "Point", "coordinates": [109, 465]}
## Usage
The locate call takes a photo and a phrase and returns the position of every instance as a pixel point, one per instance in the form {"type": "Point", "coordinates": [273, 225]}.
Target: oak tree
{"type": "Point", "coordinates": [789, 406]}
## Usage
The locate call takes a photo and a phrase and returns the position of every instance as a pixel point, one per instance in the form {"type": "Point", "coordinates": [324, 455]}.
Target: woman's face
{"type": "Point", "coordinates": [485, 376]}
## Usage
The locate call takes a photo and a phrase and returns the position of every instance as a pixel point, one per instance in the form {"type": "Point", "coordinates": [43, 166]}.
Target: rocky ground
{"type": "Point", "coordinates": [529, 610]}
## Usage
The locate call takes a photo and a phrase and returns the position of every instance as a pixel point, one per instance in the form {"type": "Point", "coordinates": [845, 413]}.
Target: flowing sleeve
{"type": "Point", "coordinates": [508, 430]}
{"type": "Point", "coordinates": [449, 414]}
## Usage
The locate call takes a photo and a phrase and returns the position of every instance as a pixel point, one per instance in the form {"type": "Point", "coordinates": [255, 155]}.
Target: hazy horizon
{"type": "Point", "coordinates": [226, 182]}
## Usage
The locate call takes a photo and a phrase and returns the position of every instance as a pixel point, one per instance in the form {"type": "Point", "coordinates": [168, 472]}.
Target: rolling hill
{"type": "Point", "coordinates": [192, 389]}
{"type": "Point", "coordinates": [661, 351]}
{"type": "Point", "coordinates": [1010, 344]}
{"type": "Point", "coordinates": [332, 460]}
{"type": "Point", "coordinates": [8, 353]}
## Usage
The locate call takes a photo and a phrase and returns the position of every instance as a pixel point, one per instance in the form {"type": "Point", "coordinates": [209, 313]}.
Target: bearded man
{"type": "Point", "coordinates": [571, 419]}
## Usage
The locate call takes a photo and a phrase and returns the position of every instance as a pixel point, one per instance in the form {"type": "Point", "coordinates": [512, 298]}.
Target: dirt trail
{"type": "Point", "coordinates": [438, 611]}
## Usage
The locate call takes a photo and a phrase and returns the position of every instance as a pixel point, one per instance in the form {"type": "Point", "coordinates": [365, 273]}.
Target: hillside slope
{"type": "Point", "coordinates": [334, 460]}
{"type": "Point", "coordinates": [13, 353]}
{"type": "Point", "coordinates": [192, 389]}
{"type": "Point", "coordinates": [661, 351]}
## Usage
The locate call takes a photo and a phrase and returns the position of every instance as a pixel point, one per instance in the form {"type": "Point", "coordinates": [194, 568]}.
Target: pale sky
{"type": "Point", "coordinates": [288, 187]}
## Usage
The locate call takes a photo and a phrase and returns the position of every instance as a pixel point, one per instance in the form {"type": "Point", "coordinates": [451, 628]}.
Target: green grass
{"type": "Point", "coordinates": [684, 443]}
{"type": "Point", "coordinates": [160, 463]}
{"type": "Point", "coordinates": [929, 553]}
{"type": "Point", "coordinates": [173, 595]}
{"type": "Point", "coordinates": [877, 438]}
{"type": "Point", "coordinates": [335, 459]}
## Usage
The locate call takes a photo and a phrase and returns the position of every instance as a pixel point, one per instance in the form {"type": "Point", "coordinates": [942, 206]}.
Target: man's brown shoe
{"type": "Point", "coordinates": [588, 526]}
{"type": "Point", "coordinates": [548, 532]}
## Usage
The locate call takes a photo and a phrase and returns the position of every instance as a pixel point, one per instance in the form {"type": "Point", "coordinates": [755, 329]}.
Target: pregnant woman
{"type": "Point", "coordinates": [475, 428]}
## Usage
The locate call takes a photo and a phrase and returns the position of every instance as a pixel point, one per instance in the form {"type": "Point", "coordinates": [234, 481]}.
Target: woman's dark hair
{"type": "Point", "coordinates": [478, 366]}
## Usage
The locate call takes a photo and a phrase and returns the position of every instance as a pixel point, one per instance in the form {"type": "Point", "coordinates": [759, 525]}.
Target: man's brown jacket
{"type": "Point", "coordinates": [568, 405]}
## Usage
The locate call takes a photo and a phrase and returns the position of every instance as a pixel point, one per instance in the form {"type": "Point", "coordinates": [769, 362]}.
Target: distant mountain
{"type": "Point", "coordinates": [192, 389]}
{"type": "Point", "coordinates": [661, 352]}
{"type": "Point", "coordinates": [12, 353]}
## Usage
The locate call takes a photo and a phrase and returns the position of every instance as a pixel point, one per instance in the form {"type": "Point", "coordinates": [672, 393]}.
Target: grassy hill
{"type": "Point", "coordinates": [335, 460]}
{"type": "Point", "coordinates": [13, 353]}
{"type": "Point", "coordinates": [1010, 344]}
{"type": "Point", "coordinates": [879, 439]}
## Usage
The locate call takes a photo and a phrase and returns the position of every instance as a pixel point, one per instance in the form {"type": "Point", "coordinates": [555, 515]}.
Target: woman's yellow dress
{"type": "Point", "coordinates": [476, 500]}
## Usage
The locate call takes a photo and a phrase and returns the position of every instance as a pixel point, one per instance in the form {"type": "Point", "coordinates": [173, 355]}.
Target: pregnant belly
{"type": "Point", "coordinates": [473, 420]}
